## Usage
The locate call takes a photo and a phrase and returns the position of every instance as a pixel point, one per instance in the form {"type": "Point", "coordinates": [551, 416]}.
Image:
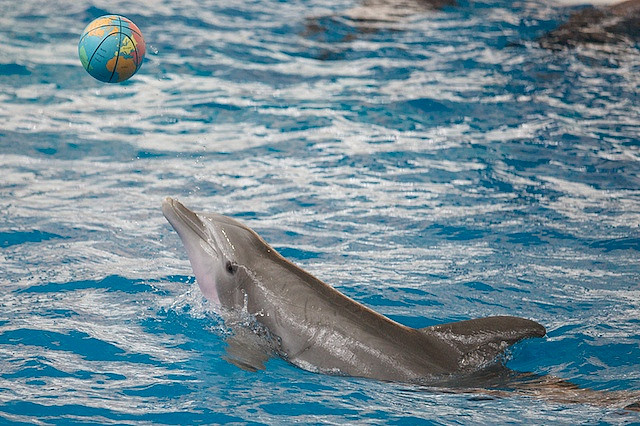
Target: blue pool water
{"type": "Point", "coordinates": [436, 168]}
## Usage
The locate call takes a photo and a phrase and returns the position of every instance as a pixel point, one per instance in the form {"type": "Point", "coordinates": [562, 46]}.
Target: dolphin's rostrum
{"type": "Point", "coordinates": [317, 327]}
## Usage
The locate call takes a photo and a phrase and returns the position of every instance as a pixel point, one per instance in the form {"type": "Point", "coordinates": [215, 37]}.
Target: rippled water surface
{"type": "Point", "coordinates": [436, 167]}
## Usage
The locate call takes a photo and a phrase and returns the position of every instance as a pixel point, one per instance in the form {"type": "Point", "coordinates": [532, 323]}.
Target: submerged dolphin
{"type": "Point", "coordinates": [617, 23]}
{"type": "Point", "coordinates": [317, 327]}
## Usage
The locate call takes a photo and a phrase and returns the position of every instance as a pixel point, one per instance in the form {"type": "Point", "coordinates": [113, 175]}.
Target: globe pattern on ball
{"type": "Point", "coordinates": [111, 48]}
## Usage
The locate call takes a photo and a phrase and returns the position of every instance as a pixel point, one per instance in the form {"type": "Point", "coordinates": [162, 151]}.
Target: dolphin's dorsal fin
{"type": "Point", "coordinates": [482, 340]}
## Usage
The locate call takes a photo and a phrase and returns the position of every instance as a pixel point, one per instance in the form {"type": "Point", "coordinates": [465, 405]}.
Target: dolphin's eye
{"type": "Point", "coordinates": [231, 267]}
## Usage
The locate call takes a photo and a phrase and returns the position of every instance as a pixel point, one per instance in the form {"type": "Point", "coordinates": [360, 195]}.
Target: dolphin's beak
{"type": "Point", "coordinates": [182, 219]}
{"type": "Point", "coordinates": [193, 233]}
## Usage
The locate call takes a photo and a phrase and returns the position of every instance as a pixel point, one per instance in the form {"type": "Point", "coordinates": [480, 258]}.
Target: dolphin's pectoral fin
{"type": "Point", "coordinates": [480, 341]}
{"type": "Point", "coordinates": [247, 350]}
{"type": "Point", "coordinates": [251, 367]}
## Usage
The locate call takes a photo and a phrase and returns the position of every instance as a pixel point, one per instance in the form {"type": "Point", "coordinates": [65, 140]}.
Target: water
{"type": "Point", "coordinates": [438, 168]}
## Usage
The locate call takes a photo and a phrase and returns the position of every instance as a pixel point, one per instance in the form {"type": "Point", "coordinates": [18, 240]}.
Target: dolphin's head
{"type": "Point", "coordinates": [219, 249]}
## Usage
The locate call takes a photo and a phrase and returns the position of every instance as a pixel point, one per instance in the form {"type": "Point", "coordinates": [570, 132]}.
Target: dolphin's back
{"type": "Point", "coordinates": [332, 325]}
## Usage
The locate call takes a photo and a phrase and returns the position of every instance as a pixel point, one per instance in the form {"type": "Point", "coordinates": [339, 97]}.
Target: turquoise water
{"type": "Point", "coordinates": [436, 168]}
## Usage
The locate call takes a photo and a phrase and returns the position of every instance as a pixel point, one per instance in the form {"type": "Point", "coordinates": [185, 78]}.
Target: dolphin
{"type": "Point", "coordinates": [320, 329]}
{"type": "Point", "coordinates": [617, 23]}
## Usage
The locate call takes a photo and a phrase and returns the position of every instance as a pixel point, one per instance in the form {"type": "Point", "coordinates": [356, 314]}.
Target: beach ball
{"type": "Point", "coordinates": [111, 48]}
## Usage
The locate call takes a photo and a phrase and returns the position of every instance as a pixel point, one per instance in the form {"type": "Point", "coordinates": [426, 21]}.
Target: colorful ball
{"type": "Point", "coordinates": [111, 48]}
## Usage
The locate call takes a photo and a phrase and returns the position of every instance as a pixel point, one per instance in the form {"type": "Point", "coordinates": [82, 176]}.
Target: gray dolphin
{"type": "Point", "coordinates": [618, 23]}
{"type": "Point", "coordinates": [320, 329]}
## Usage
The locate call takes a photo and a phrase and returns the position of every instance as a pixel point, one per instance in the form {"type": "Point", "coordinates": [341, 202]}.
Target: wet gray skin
{"type": "Point", "coordinates": [317, 327]}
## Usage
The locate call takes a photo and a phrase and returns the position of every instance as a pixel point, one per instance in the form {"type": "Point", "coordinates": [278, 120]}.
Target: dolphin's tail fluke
{"type": "Point", "coordinates": [498, 381]}
{"type": "Point", "coordinates": [558, 390]}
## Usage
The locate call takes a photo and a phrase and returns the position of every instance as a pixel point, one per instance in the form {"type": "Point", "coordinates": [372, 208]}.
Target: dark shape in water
{"type": "Point", "coordinates": [372, 11]}
{"type": "Point", "coordinates": [368, 17]}
{"type": "Point", "coordinates": [619, 23]}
